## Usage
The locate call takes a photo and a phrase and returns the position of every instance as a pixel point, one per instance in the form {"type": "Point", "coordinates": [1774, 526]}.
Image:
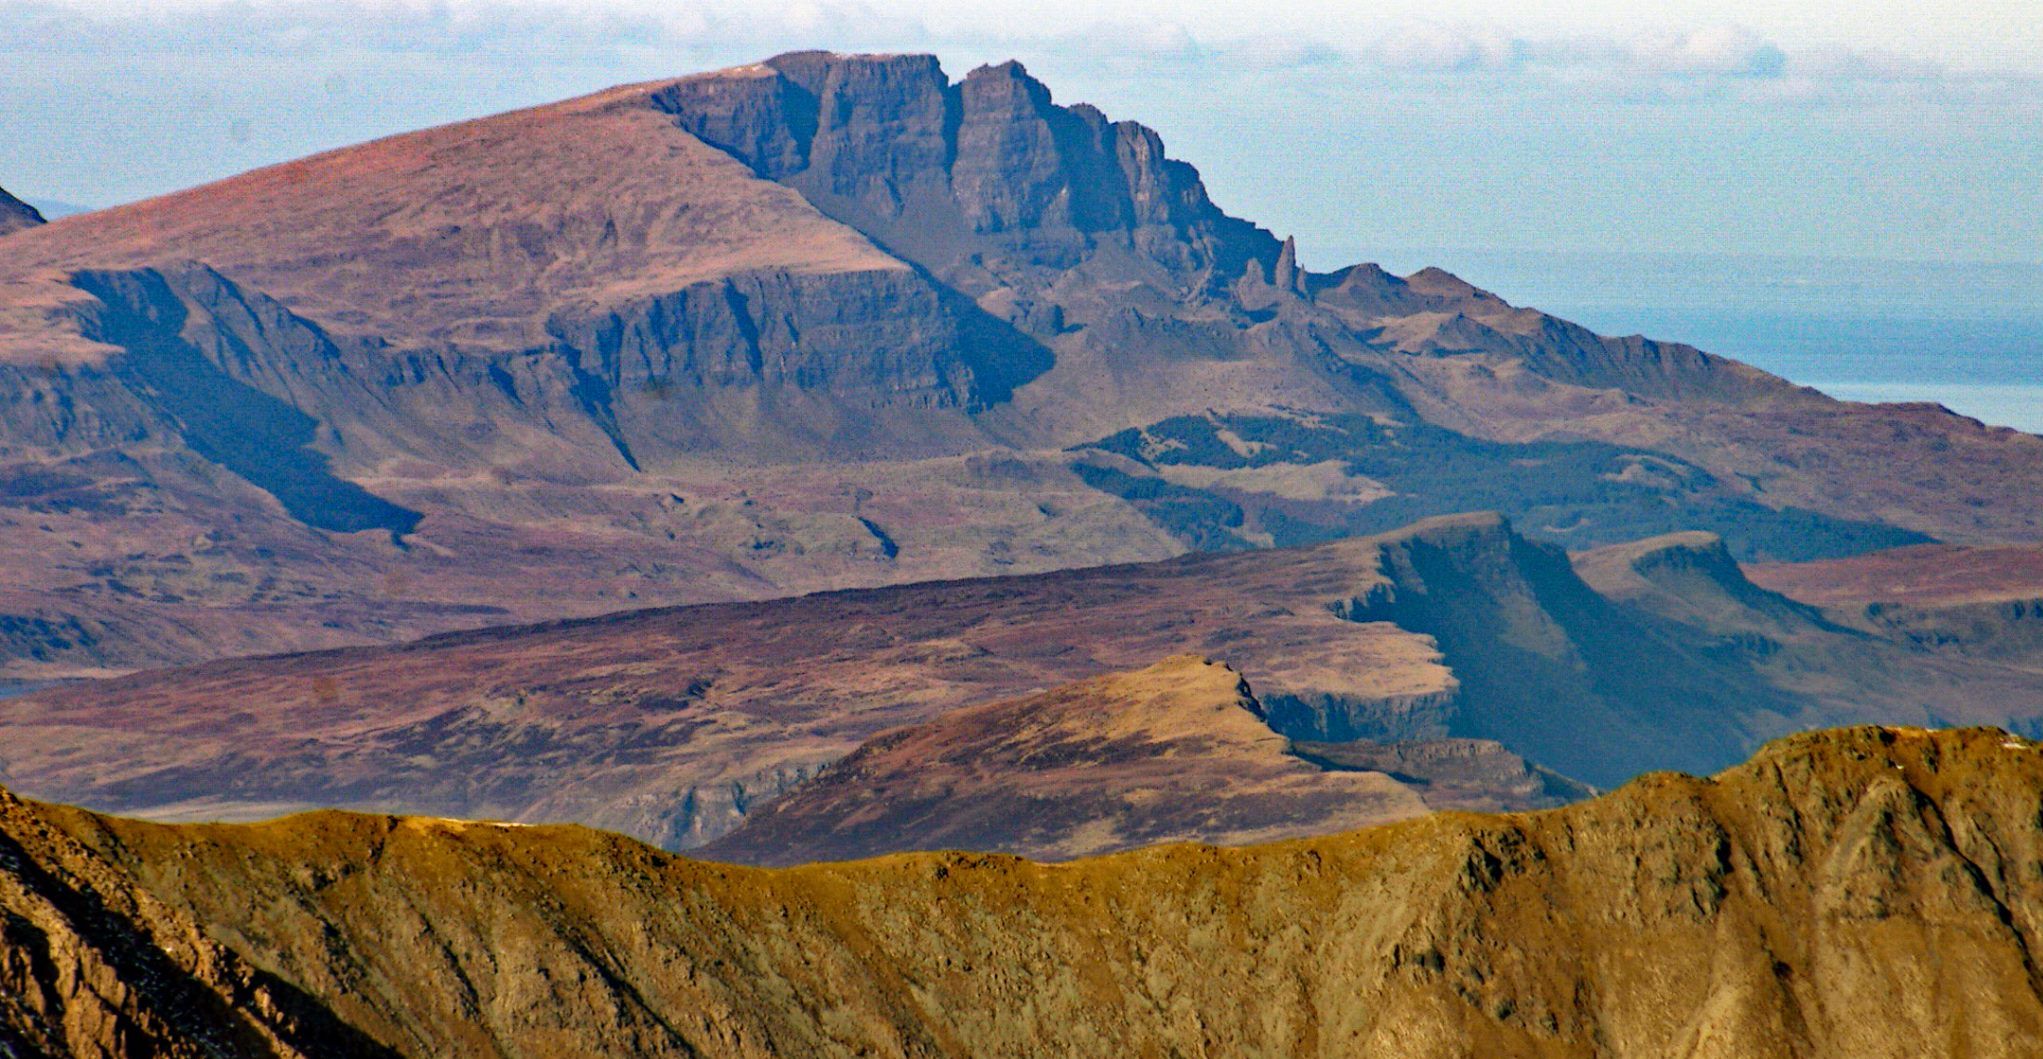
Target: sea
{"type": "Point", "coordinates": [1966, 335]}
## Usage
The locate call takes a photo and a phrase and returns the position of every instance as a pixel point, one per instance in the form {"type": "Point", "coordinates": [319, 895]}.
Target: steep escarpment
{"type": "Point", "coordinates": [1564, 673]}
{"type": "Point", "coordinates": [944, 171]}
{"type": "Point", "coordinates": [16, 214]}
{"type": "Point", "coordinates": [523, 285]}
{"type": "Point", "coordinates": [1079, 230]}
{"type": "Point", "coordinates": [1861, 893]}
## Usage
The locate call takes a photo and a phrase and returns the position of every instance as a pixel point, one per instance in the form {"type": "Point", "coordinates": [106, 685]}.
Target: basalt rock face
{"type": "Point", "coordinates": [1031, 208]}
{"type": "Point", "coordinates": [16, 214]}
{"type": "Point", "coordinates": [1854, 893]}
{"type": "Point", "coordinates": [944, 172]}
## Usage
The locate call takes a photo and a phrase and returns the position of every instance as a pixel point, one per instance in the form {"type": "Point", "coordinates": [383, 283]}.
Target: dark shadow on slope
{"type": "Point", "coordinates": [225, 420]}
{"type": "Point", "coordinates": [1560, 674]}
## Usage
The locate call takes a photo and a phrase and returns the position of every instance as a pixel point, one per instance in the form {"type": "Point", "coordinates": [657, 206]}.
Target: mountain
{"type": "Point", "coordinates": [825, 321]}
{"type": "Point", "coordinates": [676, 725]}
{"type": "Point", "coordinates": [1180, 751]}
{"type": "Point", "coordinates": [16, 214]}
{"type": "Point", "coordinates": [1864, 892]}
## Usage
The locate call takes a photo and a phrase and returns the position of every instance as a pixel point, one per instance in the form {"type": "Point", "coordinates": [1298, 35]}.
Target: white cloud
{"type": "Point", "coordinates": [1431, 47]}
{"type": "Point", "coordinates": [1716, 61]}
{"type": "Point", "coordinates": [1721, 50]}
{"type": "Point", "coordinates": [1712, 62]}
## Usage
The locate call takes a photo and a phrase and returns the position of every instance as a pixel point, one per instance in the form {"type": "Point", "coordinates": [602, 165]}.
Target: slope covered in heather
{"type": "Point", "coordinates": [1178, 752]}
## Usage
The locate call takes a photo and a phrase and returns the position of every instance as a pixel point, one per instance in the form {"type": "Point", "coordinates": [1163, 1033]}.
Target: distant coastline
{"type": "Point", "coordinates": [1965, 335]}
{"type": "Point", "coordinates": [52, 209]}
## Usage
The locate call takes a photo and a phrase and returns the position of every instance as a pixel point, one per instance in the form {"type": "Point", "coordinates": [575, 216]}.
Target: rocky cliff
{"type": "Point", "coordinates": [92, 964]}
{"type": "Point", "coordinates": [1857, 893]}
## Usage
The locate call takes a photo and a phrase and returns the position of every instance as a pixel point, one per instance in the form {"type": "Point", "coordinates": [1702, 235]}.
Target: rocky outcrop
{"type": "Point", "coordinates": [849, 361]}
{"type": "Point", "coordinates": [1337, 718]}
{"type": "Point", "coordinates": [16, 214]}
{"type": "Point", "coordinates": [869, 340]}
{"type": "Point", "coordinates": [947, 173]}
{"type": "Point", "coordinates": [1859, 893]}
{"type": "Point", "coordinates": [91, 965]}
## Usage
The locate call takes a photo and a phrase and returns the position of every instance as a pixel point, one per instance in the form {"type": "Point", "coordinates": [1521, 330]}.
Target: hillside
{"type": "Point", "coordinates": [1861, 893]}
{"type": "Point", "coordinates": [1924, 576]}
{"type": "Point", "coordinates": [16, 215]}
{"type": "Point", "coordinates": [674, 725]}
{"type": "Point", "coordinates": [1177, 752]}
{"type": "Point", "coordinates": [821, 322]}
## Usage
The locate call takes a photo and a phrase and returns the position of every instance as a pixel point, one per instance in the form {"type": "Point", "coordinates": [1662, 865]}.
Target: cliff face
{"type": "Point", "coordinates": [1861, 893]}
{"type": "Point", "coordinates": [950, 173]}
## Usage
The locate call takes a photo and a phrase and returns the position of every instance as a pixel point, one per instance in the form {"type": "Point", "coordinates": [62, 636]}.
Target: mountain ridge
{"type": "Point", "coordinates": [1779, 908]}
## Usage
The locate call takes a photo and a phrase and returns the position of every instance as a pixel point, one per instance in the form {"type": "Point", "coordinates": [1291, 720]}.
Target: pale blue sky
{"type": "Point", "coordinates": [1822, 127]}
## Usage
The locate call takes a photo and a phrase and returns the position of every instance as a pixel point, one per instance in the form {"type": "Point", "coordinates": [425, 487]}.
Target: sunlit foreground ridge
{"type": "Point", "coordinates": [1856, 892]}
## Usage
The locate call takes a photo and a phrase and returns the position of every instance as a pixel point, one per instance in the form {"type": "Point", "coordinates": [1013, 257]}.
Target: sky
{"type": "Point", "coordinates": [1822, 128]}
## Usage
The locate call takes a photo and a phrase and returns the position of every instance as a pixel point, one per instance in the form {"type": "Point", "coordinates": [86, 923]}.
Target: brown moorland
{"type": "Point", "coordinates": [1924, 575]}
{"type": "Point", "coordinates": [674, 725]}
